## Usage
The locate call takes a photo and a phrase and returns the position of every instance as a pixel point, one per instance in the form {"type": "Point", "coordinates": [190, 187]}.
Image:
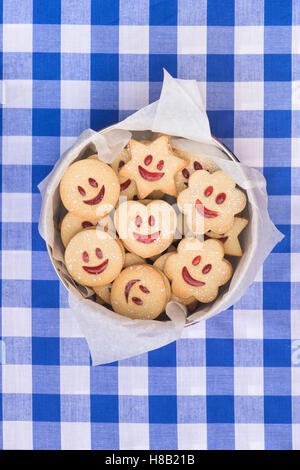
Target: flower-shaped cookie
{"type": "Point", "coordinates": [153, 166]}
{"type": "Point", "coordinates": [230, 239]}
{"type": "Point", "coordinates": [211, 201]}
{"type": "Point", "coordinates": [198, 269]}
{"type": "Point", "coordinates": [196, 162]}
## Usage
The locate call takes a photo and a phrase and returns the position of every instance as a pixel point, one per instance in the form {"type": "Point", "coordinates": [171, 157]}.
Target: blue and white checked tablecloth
{"type": "Point", "coordinates": [232, 382]}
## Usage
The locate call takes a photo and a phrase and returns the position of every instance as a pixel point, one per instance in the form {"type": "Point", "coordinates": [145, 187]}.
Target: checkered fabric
{"type": "Point", "coordinates": [232, 382]}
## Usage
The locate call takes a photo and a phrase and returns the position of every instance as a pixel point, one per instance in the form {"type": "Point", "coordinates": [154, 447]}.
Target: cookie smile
{"type": "Point", "coordinates": [128, 287]}
{"type": "Point", "coordinates": [125, 185]}
{"type": "Point", "coordinates": [149, 175]}
{"type": "Point", "coordinates": [189, 279]}
{"type": "Point", "coordinates": [96, 199]}
{"type": "Point", "coordinates": [204, 211]}
{"type": "Point", "coordinates": [146, 238]}
{"type": "Point", "coordinates": [96, 269]}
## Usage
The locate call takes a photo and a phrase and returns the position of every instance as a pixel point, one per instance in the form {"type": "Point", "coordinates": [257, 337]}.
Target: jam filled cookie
{"type": "Point", "coordinates": [153, 166]}
{"type": "Point", "coordinates": [230, 239]}
{"type": "Point", "coordinates": [211, 201]}
{"type": "Point", "coordinates": [139, 292]}
{"type": "Point", "coordinates": [160, 264]}
{"type": "Point", "coordinates": [89, 189]}
{"type": "Point", "coordinates": [198, 269]}
{"type": "Point", "coordinates": [104, 291]}
{"type": "Point", "coordinates": [146, 230]}
{"type": "Point", "coordinates": [71, 225]}
{"type": "Point", "coordinates": [94, 258]}
{"type": "Point", "coordinates": [127, 185]}
{"type": "Point", "coordinates": [196, 162]}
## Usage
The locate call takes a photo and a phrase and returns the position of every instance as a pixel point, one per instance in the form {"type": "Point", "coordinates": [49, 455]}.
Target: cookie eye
{"type": "Point", "coordinates": [85, 257]}
{"type": "Point", "coordinates": [121, 163]}
{"type": "Point", "coordinates": [206, 269]}
{"type": "Point", "coordinates": [197, 166]}
{"type": "Point", "coordinates": [99, 253]}
{"type": "Point", "coordinates": [148, 160]}
{"type": "Point", "coordinates": [138, 221]}
{"type": "Point", "coordinates": [137, 300]}
{"type": "Point", "coordinates": [144, 289]}
{"type": "Point", "coordinates": [81, 190]}
{"type": "Point", "coordinates": [93, 183]}
{"type": "Point", "coordinates": [160, 165]}
{"type": "Point", "coordinates": [220, 198]}
{"type": "Point", "coordinates": [196, 260]}
{"type": "Point", "coordinates": [186, 173]}
{"type": "Point", "coordinates": [86, 224]}
{"type": "Point", "coordinates": [208, 191]}
{"type": "Point", "coordinates": [151, 220]}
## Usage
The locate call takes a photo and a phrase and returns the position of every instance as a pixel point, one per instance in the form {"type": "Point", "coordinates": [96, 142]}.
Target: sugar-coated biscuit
{"type": "Point", "coordinates": [198, 269]}
{"type": "Point", "coordinates": [196, 162]}
{"type": "Point", "coordinates": [104, 291]}
{"type": "Point", "coordinates": [139, 292]}
{"type": "Point", "coordinates": [89, 189]}
{"type": "Point", "coordinates": [153, 166]}
{"type": "Point", "coordinates": [230, 239]}
{"type": "Point", "coordinates": [127, 185]}
{"type": "Point", "coordinates": [71, 225]}
{"type": "Point", "coordinates": [160, 264]}
{"type": "Point", "coordinates": [94, 258]}
{"type": "Point", "coordinates": [211, 201]}
{"type": "Point", "coordinates": [145, 230]}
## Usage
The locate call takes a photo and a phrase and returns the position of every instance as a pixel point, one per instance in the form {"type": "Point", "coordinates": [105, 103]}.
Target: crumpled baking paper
{"type": "Point", "coordinates": [180, 112]}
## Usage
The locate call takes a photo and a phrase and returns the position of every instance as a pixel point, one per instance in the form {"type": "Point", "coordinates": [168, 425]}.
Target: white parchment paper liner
{"type": "Point", "coordinates": [180, 113]}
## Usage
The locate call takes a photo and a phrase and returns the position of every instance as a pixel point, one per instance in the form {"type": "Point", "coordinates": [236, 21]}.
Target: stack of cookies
{"type": "Point", "coordinates": [121, 236]}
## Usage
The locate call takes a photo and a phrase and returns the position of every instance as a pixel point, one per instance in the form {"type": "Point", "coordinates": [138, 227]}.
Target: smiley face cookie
{"type": "Point", "coordinates": [153, 166]}
{"type": "Point", "coordinates": [71, 225]}
{"type": "Point", "coordinates": [89, 189]}
{"type": "Point", "coordinates": [94, 258]}
{"type": "Point", "coordinates": [230, 239]}
{"type": "Point", "coordinates": [127, 185]}
{"type": "Point", "coordinates": [211, 201]}
{"type": "Point", "coordinates": [146, 230]}
{"type": "Point", "coordinates": [198, 269]}
{"type": "Point", "coordinates": [139, 292]}
{"type": "Point", "coordinates": [196, 162]}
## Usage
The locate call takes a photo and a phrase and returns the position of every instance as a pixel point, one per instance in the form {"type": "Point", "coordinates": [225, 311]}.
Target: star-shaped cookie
{"type": "Point", "coordinates": [153, 166]}
{"type": "Point", "coordinates": [230, 238]}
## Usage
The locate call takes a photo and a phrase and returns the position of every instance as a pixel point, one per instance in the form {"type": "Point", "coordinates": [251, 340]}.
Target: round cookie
{"type": "Point", "coordinates": [198, 269]}
{"type": "Point", "coordinates": [89, 189]}
{"type": "Point", "coordinates": [211, 201]}
{"type": "Point", "coordinates": [145, 230]}
{"type": "Point", "coordinates": [196, 162]}
{"type": "Point", "coordinates": [127, 185]}
{"type": "Point", "coordinates": [103, 292]}
{"type": "Point", "coordinates": [71, 225]}
{"type": "Point", "coordinates": [139, 292]}
{"type": "Point", "coordinates": [94, 258]}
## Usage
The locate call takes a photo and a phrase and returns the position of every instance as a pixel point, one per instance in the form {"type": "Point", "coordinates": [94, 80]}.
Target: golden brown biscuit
{"type": "Point", "coordinates": [139, 292]}
{"type": "Point", "coordinates": [198, 269]}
